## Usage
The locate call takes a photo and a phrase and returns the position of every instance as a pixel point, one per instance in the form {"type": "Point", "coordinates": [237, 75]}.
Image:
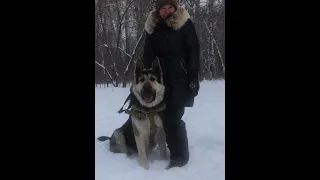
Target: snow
{"type": "Point", "coordinates": [206, 132]}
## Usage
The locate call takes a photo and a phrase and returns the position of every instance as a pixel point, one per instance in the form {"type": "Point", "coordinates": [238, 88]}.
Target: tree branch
{"type": "Point", "coordinates": [105, 69]}
{"type": "Point", "coordinates": [114, 5]}
{"type": "Point", "coordinates": [210, 33]}
{"type": "Point", "coordinates": [134, 52]}
{"type": "Point", "coordinates": [215, 43]}
{"type": "Point", "coordinates": [124, 13]}
{"type": "Point", "coordinates": [125, 52]}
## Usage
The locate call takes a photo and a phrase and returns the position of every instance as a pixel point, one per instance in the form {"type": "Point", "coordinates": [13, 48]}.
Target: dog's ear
{"type": "Point", "coordinates": [157, 71]}
{"type": "Point", "coordinates": [137, 74]}
{"type": "Point", "coordinates": [137, 70]}
{"type": "Point", "coordinates": [156, 67]}
{"type": "Point", "coordinates": [155, 64]}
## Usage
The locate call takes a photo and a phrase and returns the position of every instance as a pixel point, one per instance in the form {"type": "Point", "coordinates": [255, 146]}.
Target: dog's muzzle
{"type": "Point", "coordinates": [148, 93]}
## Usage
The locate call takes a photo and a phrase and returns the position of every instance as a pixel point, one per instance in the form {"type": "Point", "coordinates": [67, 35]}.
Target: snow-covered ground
{"type": "Point", "coordinates": [206, 133]}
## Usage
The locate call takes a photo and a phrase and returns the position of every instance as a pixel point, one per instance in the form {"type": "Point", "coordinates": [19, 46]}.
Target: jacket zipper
{"type": "Point", "coordinates": [185, 70]}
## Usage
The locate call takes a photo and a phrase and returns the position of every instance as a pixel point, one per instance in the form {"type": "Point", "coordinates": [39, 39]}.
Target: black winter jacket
{"type": "Point", "coordinates": [175, 42]}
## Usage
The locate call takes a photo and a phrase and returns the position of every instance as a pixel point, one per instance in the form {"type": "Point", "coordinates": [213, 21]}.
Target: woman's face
{"type": "Point", "coordinates": [166, 11]}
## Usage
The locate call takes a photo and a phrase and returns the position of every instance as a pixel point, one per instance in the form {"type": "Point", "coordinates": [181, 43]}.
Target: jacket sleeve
{"type": "Point", "coordinates": [148, 53]}
{"type": "Point", "coordinates": [193, 50]}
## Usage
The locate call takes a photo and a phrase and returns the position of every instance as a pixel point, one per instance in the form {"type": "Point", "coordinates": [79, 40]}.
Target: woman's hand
{"type": "Point", "coordinates": [194, 86]}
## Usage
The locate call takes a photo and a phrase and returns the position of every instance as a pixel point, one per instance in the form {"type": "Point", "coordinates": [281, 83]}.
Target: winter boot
{"type": "Point", "coordinates": [178, 146]}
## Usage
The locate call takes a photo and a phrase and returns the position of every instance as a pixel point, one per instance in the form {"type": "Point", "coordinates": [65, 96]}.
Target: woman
{"type": "Point", "coordinates": [171, 36]}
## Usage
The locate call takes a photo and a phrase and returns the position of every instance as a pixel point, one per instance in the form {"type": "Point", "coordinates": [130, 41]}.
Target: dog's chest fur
{"type": "Point", "coordinates": [143, 127]}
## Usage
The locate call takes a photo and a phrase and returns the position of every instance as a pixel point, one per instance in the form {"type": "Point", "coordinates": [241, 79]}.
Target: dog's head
{"type": "Point", "coordinates": [148, 88]}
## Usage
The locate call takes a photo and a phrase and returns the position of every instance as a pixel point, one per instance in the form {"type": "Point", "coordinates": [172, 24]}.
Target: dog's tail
{"type": "Point", "coordinates": [103, 138]}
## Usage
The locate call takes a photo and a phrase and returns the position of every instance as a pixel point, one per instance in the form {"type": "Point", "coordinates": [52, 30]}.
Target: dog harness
{"type": "Point", "coordinates": [141, 113]}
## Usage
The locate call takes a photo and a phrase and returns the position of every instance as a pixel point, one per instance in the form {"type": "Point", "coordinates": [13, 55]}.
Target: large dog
{"type": "Point", "coordinates": [143, 131]}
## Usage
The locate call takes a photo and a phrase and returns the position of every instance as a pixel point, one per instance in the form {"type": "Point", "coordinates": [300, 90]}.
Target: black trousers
{"type": "Point", "coordinates": [176, 133]}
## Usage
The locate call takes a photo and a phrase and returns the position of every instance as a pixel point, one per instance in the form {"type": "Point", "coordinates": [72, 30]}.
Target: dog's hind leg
{"type": "Point", "coordinates": [118, 142]}
{"type": "Point", "coordinates": [123, 146]}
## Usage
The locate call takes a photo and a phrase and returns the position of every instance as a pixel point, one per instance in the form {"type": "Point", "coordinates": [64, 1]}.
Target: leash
{"type": "Point", "coordinates": [121, 110]}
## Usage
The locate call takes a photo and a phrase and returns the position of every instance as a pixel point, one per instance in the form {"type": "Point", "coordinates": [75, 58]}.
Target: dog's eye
{"type": "Point", "coordinates": [152, 78]}
{"type": "Point", "coordinates": [141, 79]}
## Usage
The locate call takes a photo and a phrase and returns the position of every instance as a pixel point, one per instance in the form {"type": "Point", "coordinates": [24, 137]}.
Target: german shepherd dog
{"type": "Point", "coordinates": [143, 131]}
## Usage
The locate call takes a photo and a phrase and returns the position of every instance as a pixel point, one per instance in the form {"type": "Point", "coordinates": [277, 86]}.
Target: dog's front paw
{"type": "Point", "coordinates": [164, 155]}
{"type": "Point", "coordinates": [164, 158]}
{"type": "Point", "coordinates": [144, 165]}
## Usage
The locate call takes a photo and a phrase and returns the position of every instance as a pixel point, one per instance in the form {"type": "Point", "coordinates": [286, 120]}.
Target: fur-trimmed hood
{"type": "Point", "coordinates": [175, 21]}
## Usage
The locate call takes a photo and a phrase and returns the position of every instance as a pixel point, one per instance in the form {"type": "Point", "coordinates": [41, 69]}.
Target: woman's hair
{"type": "Point", "coordinates": [161, 3]}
